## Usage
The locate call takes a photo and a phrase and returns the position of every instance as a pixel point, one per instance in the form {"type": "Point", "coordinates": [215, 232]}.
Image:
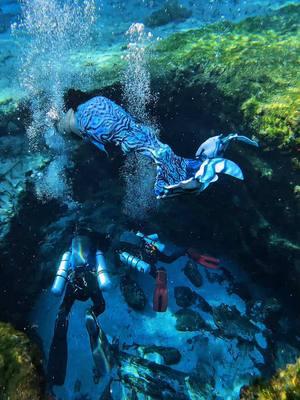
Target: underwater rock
{"type": "Point", "coordinates": [203, 304]}
{"type": "Point", "coordinates": [133, 294]}
{"type": "Point", "coordinates": [232, 324]}
{"type": "Point", "coordinates": [154, 380]}
{"type": "Point", "coordinates": [246, 82]}
{"type": "Point", "coordinates": [284, 353]}
{"type": "Point", "coordinates": [189, 320]}
{"type": "Point", "coordinates": [20, 366]}
{"type": "Point", "coordinates": [170, 355]}
{"type": "Point", "coordinates": [171, 11]}
{"type": "Point", "coordinates": [159, 381]}
{"type": "Point", "coordinates": [184, 296]}
{"type": "Point", "coordinates": [192, 272]}
{"type": "Point", "coordinates": [269, 311]}
{"type": "Point", "coordinates": [285, 384]}
{"type": "Point", "coordinates": [16, 168]}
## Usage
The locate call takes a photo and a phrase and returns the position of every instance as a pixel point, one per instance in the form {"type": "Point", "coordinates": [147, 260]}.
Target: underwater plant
{"type": "Point", "coordinates": [284, 385]}
{"type": "Point", "coordinates": [20, 366]}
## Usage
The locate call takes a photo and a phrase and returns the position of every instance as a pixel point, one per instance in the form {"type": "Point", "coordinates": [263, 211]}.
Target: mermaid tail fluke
{"type": "Point", "coordinates": [207, 174]}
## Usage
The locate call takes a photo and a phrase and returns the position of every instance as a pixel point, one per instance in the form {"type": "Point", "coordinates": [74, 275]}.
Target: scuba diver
{"type": "Point", "coordinates": [82, 274]}
{"type": "Point", "coordinates": [141, 252]}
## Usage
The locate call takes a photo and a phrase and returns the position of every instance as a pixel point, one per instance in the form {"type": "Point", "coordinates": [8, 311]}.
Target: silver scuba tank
{"type": "Point", "coordinates": [103, 278]}
{"type": "Point", "coordinates": [61, 275]}
{"type": "Point", "coordinates": [134, 262]}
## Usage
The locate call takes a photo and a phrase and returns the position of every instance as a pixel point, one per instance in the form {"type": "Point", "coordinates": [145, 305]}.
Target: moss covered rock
{"type": "Point", "coordinates": [284, 385]}
{"type": "Point", "coordinates": [189, 320]}
{"type": "Point", "coordinates": [252, 67]}
{"type": "Point", "coordinates": [171, 11]}
{"type": "Point", "coordinates": [20, 366]}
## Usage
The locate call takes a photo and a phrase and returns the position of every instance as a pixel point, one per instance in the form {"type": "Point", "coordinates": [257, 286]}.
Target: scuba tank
{"type": "Point", "coordinates": [153, 239]}
{"type": "Point", "coordinates": [134, 262]}
{"type": "Point", "coordinates": [61, 275]}
{"type": "Point", "coordinates": [103, 278]}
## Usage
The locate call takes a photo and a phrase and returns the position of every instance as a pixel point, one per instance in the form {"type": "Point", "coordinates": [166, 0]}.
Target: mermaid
{"type": "Point", "coordinates": [102, 122]}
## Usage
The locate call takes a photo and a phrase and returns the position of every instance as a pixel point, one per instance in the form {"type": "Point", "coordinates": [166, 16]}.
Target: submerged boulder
{"type": "Point", "coordinates": [20, 366]}
{"type": "Point", "coordinates": [189, 320]}
{"type": "Point", "coordinates": [169, 355]}
{"type": "Point", "coordinates": [171, 11]}
{"type": "Point", "coordinates": [247, 71]}
{"type": "Point", "coordinates": [133, 294]}
{"type": "Point", "coordinates": [184, 296]}
{"type": "Point", "coordinates": [232, 324]}
{"type": "Point", "coordinates": [192, 272]}
{"type": "Point", "coordinates": [16, 168]}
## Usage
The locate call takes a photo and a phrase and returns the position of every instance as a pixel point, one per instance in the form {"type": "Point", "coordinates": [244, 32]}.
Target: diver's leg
{"type": "Point", "coordinates": [58, 355]}
{"type": "Point", "coordinates": [100, 347]}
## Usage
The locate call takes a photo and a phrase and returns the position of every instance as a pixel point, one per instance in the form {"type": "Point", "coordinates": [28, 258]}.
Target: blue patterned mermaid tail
{"type": "Point", "coordinates": [102, 122]}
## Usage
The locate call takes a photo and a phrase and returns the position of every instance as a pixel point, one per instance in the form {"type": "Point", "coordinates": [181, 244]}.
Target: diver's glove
{"type": "Point", "coordinates": [160, 298]}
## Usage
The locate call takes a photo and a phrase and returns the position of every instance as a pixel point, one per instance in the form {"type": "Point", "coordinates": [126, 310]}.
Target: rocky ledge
{"type": "Point", "coordinates": [20, 366]}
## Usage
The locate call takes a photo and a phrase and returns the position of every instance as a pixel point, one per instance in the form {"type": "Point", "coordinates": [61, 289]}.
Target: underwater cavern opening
{"type": "Point", "coordinates": [186, 329]}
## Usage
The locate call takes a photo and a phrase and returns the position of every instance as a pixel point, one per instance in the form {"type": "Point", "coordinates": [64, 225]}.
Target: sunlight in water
{"type": "Point", "coordinates": [49, 33]}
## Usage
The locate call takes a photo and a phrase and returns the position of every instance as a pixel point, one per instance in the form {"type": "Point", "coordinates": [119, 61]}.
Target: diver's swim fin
{"type": "Point", "coordinates": [206, 261]}
{"type": "Point", "coordinates": [58, 356]}
{"type": "Point", "coordinates": [160, 297]}
{"type": "Point", "coordinates": [101, 349]}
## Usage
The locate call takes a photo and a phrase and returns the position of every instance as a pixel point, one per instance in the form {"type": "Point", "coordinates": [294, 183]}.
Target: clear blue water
{"type": "Point", "coordinates": [239, 322]}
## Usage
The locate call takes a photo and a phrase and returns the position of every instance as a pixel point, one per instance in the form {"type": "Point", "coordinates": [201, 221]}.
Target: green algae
{"type": "Point", "coordinates": [253, 65]}
{"type": "Point", "coordinates": [285, 385]}
{"type": "Point", "coordinates": [19, 366]}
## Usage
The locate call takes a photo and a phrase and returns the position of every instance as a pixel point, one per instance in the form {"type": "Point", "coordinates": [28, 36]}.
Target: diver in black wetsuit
{"type": "Point", "coordinates": [142, 252]}
{"type": "Point", "coordinates": [81, 275]}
